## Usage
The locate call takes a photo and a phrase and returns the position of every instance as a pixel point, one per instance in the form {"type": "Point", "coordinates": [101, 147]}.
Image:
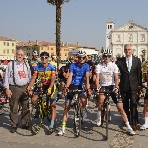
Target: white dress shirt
{"type": "Point", "coordinates": [130, 62]}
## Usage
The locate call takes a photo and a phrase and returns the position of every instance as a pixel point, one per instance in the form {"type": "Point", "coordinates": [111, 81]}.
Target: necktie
{"type": "Point", "coordinates": [129, 65]}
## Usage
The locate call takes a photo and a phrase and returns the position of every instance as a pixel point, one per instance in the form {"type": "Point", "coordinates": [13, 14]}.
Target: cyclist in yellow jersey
{"type": "Point", "coordinates": [46, 72]}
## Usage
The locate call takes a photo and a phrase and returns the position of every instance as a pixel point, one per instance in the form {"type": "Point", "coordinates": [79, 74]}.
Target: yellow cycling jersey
{"type": "Point", "coordinates": [44, 74]}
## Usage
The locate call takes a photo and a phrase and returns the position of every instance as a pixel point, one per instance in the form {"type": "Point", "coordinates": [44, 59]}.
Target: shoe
{"type": "Point", "coordinates": [13, 129]}
{"type": "Point", "coordinates": [144, 127]}
{"type": "Point", "coordinates": [61, 132]}
{"type": "Point", "coordinates": [50, 131]}
{"type": "Point", "coordinates": [26, 127]}
{"type": "Point", "coordinates": [84, 113]}
{"type": "Point", "coordinates": [135, 127]}
{"type": "Point", "coordinates": [98, 121]}
{"type": "Point", "coordinates": [131, 132]}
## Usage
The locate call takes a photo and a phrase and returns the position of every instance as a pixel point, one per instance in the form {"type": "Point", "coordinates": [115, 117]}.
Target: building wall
{"type": "Point", "coordinates": [7, 50]}
{"type": "Point", "coordinates": [138, 37]}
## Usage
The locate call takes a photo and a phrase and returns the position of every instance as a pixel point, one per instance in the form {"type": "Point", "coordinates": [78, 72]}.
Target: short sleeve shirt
{"type": "Point", "coordinates": [44, 74]}
{"type": "Point", "coordinates": [79, 73]}
{"type": "Point", "coordinates": [106, 72]}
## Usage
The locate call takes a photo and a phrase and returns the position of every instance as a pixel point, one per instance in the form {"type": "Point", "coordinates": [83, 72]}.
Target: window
{"type": "Point", "coordinates": [51, 48]}
{"type": "Point", "coordinates": [7, 43]}
{"type": "Point", "coordinates": [4, 50]}
{"type": "Point", "coordinates": [110, 26]}
{"type": "Point", "coordinates": [4, 43]}
{"type": "Point", "coordinates": [7, 50]}
{"type": "Point", "coordinates": [12, 50]}
{"type": "Point", "coordinates": [12, 44]}
{"type": "Point", "coordinates": [27, 54]}
{"type": "Point", "coordinates": [65, 54]}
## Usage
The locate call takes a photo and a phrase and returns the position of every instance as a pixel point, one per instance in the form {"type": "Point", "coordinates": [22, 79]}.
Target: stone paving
{"type": "Point", "coordinates": [91, 135]}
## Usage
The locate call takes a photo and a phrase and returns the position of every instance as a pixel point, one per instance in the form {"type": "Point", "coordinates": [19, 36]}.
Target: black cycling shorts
{"type": "Point", "coordinates": [73, 87]}
{"type": "Point", "coordinates": [115, 97]}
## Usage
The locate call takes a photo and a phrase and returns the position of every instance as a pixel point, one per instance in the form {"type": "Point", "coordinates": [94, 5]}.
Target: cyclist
{"type": "Point", "coordinates": [77, 72]}
{"type": "Point", "coordinates": [107, 74]}
{"type": "Point", "coordinates": [63, 76]}
{"type": "Point", "coordinates": [54, 61]}
{"type": "Point", "coordinates": [46, 72]}
{"type": "Point", "coordinates": [34, 61]}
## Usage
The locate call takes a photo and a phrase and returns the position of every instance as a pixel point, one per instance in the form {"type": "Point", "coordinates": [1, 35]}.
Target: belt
{"type": "Point", "coordinates": [19, 86]}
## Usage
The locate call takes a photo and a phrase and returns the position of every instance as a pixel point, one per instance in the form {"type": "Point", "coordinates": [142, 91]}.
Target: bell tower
{"type": "Point", "coordinates": [109, 28]}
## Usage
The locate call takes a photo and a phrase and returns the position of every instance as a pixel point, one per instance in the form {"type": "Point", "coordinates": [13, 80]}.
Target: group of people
{"type": "Point", "coordinates": [20, 77]}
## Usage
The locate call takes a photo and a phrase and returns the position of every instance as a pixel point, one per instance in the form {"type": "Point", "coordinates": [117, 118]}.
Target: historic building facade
{"type": "Point", "coordinates": [129, 33]}
{"type": "Point", "coordinates": [7, 48]}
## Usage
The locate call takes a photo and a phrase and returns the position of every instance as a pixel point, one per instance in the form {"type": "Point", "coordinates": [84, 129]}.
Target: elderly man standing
{"type": "Point", "coordinates": [130, 80]}
{"type": "Point", "coordinates": [16, 79]}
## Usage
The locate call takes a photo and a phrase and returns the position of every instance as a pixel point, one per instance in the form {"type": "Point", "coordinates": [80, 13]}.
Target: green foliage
{"type": "Point", "coordinates": [143, 51]}
{"type": "Point", "coordinates": [53, 2]}
{"type": "Point", "coordinates": [36, 48]}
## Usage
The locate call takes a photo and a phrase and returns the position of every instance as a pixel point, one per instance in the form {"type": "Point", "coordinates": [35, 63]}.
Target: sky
{"type": "Point", "coordinates": [82, 21]}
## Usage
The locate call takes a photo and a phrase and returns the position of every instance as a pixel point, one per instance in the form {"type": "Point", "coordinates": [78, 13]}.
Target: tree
{"type": "Point", "coordinates": [58, 4]}
{"type": "Point", "coordinates": [36, 48]}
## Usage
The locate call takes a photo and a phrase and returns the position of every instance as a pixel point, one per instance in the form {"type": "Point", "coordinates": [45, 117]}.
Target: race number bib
{"type": "Point", "coordinates": [22, 74]}
{"type": "Point", "coordinates": [107, 77]}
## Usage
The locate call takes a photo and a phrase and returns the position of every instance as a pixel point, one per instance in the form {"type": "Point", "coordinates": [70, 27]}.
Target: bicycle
{"type": "Point", "coordinates": [105, 112]}
{"type": "Point", "coordinates": [78, 118]}
{"type": "Point", "coordinates": [40, 110]}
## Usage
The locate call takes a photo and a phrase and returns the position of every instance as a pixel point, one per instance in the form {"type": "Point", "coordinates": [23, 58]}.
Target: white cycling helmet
{"type": "Point", "coordinates": [35, 53]}
{"type": "Point", "coordinates": [107, 52]}
{"type": "Point", "coordinates": [26, 57]}
{"type": "Point", "coordinates": [53, 56]}
{"type": "Point", "coordinates": [81, 53]}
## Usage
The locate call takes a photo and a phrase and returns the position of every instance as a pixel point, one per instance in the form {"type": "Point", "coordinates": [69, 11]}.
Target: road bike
{"type": "Point", "coordinates": [40, 110]}
{"type": "Point", "coordinates": [78, 118]}
{"type": "Point", "coordinates": [105, 112]}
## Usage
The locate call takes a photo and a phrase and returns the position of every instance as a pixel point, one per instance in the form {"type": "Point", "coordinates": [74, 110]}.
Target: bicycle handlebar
{"type": "Point", "coordinates": [76, 90]}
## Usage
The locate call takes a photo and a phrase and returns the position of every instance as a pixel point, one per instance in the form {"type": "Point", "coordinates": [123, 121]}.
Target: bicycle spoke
{"type": "Point", "coordinates": [36, 117]}
{"type": "Point", "coordinates": [77, 120]}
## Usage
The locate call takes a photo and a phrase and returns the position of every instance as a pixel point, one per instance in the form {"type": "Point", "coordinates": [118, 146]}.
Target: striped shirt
{"type": "Point", "coordinates": [22, 74]}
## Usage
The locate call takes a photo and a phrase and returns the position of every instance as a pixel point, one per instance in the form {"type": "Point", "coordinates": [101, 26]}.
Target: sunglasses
{"type": "Point", "coordinates": [83, 58]}
{"type": "Point", "coordinates": [44, 57]}
{"type": "Point", "coordinates": [106, 56]}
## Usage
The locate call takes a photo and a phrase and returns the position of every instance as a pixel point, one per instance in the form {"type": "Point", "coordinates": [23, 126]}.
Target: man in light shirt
{"type": "Point", "coordinates": [16, 79]}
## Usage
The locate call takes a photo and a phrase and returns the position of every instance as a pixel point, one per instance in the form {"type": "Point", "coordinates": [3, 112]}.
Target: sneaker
{"type": "Point", "coordinates": [61, 132]}
{"type": "Point", "coordinates": [99, 121]}
{"type": "Point", "coordinates": [144, 127]}
{"type": "Point", "coordinates": [131, 132]}
{"type": "Point", "coordinates": [84, 113]}
{"type": "Point", "coordinates": [50, 131]}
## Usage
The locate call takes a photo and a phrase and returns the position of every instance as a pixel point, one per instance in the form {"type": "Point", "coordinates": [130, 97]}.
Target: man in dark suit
{"type": "Point", "coordinates": [130, 80]}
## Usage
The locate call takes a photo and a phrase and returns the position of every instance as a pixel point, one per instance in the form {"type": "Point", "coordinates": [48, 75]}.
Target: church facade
{"type": "Point", "coordinates": [129, 33]}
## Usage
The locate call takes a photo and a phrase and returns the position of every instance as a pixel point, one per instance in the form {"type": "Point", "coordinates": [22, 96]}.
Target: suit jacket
{"type": "Point", "coordinates": [130, 80]}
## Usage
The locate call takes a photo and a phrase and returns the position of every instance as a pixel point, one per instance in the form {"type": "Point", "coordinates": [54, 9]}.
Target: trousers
{"type": "Point", "coordinates": [18, 95]}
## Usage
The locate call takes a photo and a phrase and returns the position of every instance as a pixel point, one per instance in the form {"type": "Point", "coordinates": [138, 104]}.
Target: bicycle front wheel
{"type": "Point", "coordinates": [77, 120]}
{"type": "Point", "coordinates": [107, 119]}
{"type": "Point", "coordinates": [36, 117]}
